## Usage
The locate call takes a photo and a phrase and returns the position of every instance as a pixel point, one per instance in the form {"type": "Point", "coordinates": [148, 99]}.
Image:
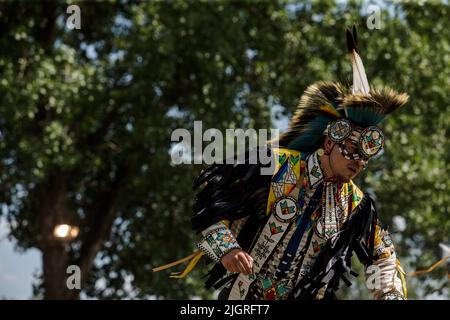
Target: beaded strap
{"type": "Point", "coordinates": [218, 243]}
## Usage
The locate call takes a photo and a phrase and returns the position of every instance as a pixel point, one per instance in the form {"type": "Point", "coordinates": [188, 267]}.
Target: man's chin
{"type": "Point", "coordinates": [351, 175]}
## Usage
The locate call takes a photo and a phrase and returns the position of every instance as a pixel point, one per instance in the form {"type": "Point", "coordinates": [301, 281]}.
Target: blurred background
{"type": "Point", "coordinates": [88, 105]}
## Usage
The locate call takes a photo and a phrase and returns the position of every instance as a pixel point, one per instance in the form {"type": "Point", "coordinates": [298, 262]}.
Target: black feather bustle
{"type": "Point", "coordinates": [231, 192]}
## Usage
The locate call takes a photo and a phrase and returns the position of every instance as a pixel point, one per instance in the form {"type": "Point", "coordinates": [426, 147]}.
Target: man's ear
{"type": "Point", "coordinates": [328, 145]}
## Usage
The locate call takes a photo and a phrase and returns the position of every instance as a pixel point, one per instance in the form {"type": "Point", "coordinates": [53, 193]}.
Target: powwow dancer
{"type": "Point", "coordinates": [291, 235]}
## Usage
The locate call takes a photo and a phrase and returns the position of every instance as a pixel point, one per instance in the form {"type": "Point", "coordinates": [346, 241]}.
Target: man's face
{"type": "Point", "coordinates": [344, 169]}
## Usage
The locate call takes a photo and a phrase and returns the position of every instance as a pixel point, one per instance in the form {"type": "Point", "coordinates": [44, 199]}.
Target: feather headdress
{"type": "Point", "coordinates": [323, 102]}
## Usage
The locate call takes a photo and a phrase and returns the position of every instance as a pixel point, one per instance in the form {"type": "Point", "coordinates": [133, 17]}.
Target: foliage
{"type": "Point", "coordinates": [86, 116]}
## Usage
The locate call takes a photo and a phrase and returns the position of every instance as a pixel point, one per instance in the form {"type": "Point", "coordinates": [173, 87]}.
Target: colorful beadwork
{"type": "Point", "coordinates": [371, 141]}
{"type": "Point", "coordinates": [340, 130]}
{"type": "Point", "coordinates": [270, 246]}
{"type": "Point", "coordinates": [218, 243]}
{"type": "Point", "coordinates": [285, 209]}
{"type": "Point", "coordinates": [272, 289]}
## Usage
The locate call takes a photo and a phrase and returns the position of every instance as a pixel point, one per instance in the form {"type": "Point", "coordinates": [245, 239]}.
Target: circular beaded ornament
{"type": "Point", "coordinates": [285, 209]}
{"type": "Point", "coordinates": [340, 130]}
{"type": "Point", "coordinates": [370, 141]}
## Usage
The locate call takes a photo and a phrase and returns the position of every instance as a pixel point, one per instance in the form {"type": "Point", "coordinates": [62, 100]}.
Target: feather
{"type": "Point", "coordinates": [330, 110]}
{"type": "Point", "coordinates": [316, 108]}
{"type": "Point", "coordinates": [445, 250]}
{"type": "Point", "coordinates": [371, 109]}
{"type": "Point", "coordinates": [360, 82]}
{"type": "Point", "coordinates": [325, 101]}
{"type": "Point", "coordinates": [231, 192]}
{"type": "Point", "coordinates": [355, 37]}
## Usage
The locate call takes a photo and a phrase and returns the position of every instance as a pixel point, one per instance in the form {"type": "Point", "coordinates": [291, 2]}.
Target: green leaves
{"type": "Point", "coordinates": [88, 102]}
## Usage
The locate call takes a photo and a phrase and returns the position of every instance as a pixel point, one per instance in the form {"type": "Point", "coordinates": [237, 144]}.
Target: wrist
{"type": "Point", "coordinates": [218, 243]}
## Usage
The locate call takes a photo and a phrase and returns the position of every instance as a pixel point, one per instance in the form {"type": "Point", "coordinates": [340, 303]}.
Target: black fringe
{"type": "Point", "coordinates": [231, 192]}
{"type": "Point", "coordinates": [357, 235]}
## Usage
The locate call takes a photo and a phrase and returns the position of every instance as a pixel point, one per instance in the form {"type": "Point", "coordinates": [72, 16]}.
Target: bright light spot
{"type": "Point", "coordinates": [65, 231]}
{"type": "Point", "coordinates": [74, 232]}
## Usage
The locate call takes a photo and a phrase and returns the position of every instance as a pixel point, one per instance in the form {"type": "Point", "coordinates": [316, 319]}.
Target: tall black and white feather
{"type": "Point", "coordinates": [360, 82]}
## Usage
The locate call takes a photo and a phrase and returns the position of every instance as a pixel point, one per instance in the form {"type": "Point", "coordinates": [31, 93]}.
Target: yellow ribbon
{"type": "Point", "coordinates": [402, 278]}
{"type": "Point", "coordinates": [189, 267]}
{"type": "Point", "coordinates": [195, 258]}
{"type": "Point", "coordinates": [434, 266]}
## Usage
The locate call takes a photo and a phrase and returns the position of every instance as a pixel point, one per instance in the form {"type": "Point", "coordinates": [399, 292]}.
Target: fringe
{"type": "Point", "coordinates": [335, 259]}
{"type": "Point", "coordinates": [231, 192]}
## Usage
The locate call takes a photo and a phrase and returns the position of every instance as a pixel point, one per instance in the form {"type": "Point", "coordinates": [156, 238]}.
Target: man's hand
{"type": "Point", "coordinates": [238, 260]}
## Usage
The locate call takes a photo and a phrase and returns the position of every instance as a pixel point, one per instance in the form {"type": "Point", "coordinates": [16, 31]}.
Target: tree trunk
{"type": "Point", "coordinates": [55, 261]}
{"type": "Point", "coordinates": [55, 254]}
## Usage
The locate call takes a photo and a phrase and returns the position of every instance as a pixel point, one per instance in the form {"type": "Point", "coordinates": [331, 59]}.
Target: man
{"type": "Point", "coordinates": [291, 235]}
